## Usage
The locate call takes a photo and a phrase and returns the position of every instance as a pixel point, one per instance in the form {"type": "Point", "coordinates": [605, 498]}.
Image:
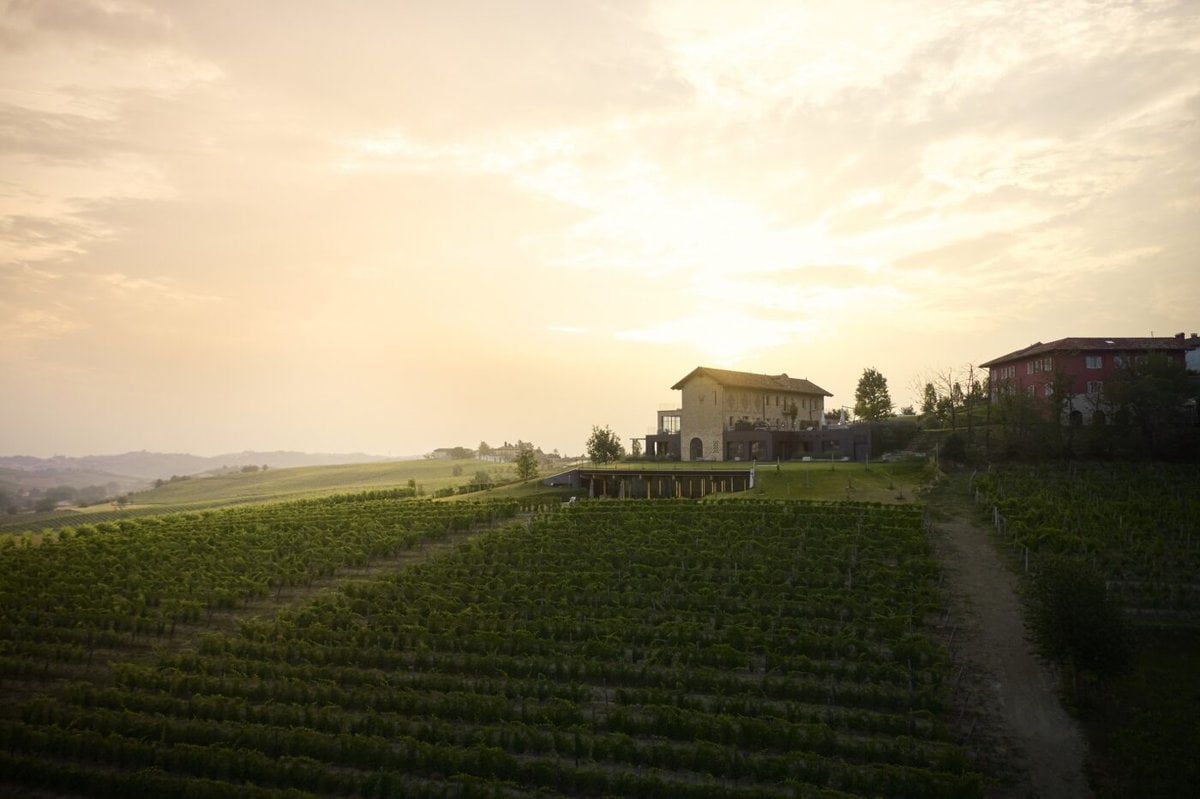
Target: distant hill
{"type": "Point", "coordinates": [149, 466]}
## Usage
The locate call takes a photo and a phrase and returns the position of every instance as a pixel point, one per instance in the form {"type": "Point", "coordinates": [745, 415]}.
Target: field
{"type": "Point", "coordinates": [269, 485]}
{"type": "Point", "coordinates": [750, 648]}
{"type": "Point", "coordinates": [769, 643]}
{"type": "Point", "coordinates": [897, 482]}
{"type": "Point", "coordinates": [1137, 524]}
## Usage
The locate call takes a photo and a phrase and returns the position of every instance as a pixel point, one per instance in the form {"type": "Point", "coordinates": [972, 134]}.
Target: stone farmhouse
{"type": "Point", "coordinates": [1080, 367]}
{"type": "Point", "coordinates": [742, 416]}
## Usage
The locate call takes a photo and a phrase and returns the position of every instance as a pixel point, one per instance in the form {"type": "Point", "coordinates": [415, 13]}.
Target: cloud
{"type": "Point", "coordinates": [206, 185]}
{"type": "Point", "coordinates": [153, 290]}
{"type": "Point", "coordinates": [24, 325]}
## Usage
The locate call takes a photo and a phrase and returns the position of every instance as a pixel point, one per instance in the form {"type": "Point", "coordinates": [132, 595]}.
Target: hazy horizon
{"type": "Point", "coordinates": [391, 227]}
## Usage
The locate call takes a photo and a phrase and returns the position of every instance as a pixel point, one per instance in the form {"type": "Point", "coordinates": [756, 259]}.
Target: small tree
{"type": "Point", "coordinates": [603, 446]}
{"type": "Point", "coordinates": [527, 464]}
{"type": "Point", "coordinates": [871, 399]}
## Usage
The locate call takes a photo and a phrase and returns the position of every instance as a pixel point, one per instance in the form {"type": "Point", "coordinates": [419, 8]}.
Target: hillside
{"type": "Point", "coordinates": [149, 466]}
{"type": "Point", "coordinates": [310, 481]}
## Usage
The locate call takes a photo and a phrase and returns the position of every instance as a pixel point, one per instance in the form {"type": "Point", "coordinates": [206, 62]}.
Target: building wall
{"type": "Point", "coordinates": [1085, 375]}
{"type": "Point", "coordinates": [1080, 368]}
{"type": "Point", "coordinates": [710, 410]}
{"type": "Point", "coordinates": [702, 404]}
{"type": "Point", "coordinates": [769, 407]}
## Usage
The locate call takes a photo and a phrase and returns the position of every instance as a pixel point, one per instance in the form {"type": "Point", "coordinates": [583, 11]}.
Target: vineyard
{"type": "Point", "coordinates": [1136, 523]}
{"type": "Point", "coordinates": [111, 586]}
{"type": "Point", "coordinates": [668, 649]}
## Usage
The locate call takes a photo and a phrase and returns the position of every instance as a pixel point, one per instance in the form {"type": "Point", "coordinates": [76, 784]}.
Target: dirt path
{"type": "Point", "coordinates": [1008, 696]}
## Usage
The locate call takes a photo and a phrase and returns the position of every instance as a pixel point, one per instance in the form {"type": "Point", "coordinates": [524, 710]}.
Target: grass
{"type": "Point", "coordinates": [273, 485]}
{"type": "Point", "coordinates": [892, 483]}
{"type": "Point", "coordinates": [1143, 726]}
{"type": "Point", "coordinates": [814, 480]}
{"type": "Point", "coordinates": [270, 485]}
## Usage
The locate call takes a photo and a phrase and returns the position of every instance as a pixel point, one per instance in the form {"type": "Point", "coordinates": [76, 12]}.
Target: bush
{"type": "Point", "coordinates": [1075, 624]}
{"type": "Point", "coordinates": [954, 448]}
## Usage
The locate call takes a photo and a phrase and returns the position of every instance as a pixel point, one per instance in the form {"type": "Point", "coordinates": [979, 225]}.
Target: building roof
{"type": "Point", "coordinates": [731, 379]}
{"type": "Point", "coordinates": [1157, 344]}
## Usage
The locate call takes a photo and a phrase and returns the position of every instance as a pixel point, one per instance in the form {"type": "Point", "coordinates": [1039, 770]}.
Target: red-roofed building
{"type": "Point", "coordinates": [1079, 368]}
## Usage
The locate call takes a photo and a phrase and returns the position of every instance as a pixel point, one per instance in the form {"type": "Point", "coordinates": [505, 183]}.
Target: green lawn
{"type": "Point", "coordinates": [893, 483]}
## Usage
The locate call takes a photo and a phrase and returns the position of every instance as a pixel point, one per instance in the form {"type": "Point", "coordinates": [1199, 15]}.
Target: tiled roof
{"type": "Point", "coordinates": [731, 379]}
{"type": "Point", "coordinates": [1157, 344]}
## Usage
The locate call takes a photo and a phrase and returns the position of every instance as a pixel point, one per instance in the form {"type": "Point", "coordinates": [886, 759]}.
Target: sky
{"type": "Point", "coordinates": [387, 227]}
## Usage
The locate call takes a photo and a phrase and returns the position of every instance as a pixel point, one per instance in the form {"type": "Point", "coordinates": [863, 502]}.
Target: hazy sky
{"type": "Point", "coordinates": [392, 226]}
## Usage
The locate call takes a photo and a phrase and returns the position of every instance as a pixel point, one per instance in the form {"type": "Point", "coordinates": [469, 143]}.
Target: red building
{"type": "Point", "coordinates": [1079, 369]}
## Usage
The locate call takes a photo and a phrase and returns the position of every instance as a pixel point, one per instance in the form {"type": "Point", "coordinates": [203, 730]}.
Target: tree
{"type": "Point", "coordinates": [1075, 623]}
{"type": "Point", "coordinates": [527, 464]}
{"type": "Point", "coordinates": [908, 410]}
{"type": "Point", "coordinates": [871, 399]}
{"type": "Point", "coordinates": [603, 446]}
{"type": "Point", "coordinates": [1151, 391]}
{"type": "Point", "coordinates": [484, 449]}
{"type": "Point", "coordinates": [929, 400]}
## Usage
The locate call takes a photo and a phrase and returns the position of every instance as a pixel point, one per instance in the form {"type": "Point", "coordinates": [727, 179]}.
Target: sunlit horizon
{"type": "Point", "coordinates": [406, 226]}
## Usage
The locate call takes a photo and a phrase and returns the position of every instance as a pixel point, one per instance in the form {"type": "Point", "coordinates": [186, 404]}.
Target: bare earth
{"type": "Point", "coordinates": [1010, 709]}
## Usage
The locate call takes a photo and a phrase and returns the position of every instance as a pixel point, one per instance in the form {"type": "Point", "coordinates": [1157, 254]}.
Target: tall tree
{"type": "Point", "coordinates": [1150, 391]}
{"type": "Point", "coordinates": [603, 446]}
{"type": "Point", "coordinates": [527, 464]}
{"type": "Point", "coordinates": [871, 399]}
{"type": "Point", "coordinates": [929, 400]}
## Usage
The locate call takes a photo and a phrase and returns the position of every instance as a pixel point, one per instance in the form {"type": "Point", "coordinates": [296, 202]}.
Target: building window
{"type": "Point", "coordinates": [1095, 387]}
{"type": "Point", "coordinates": [1048, 389]}
{"type": "Point", "coordinates": [1095, 361]}
{"type": "Point", "coordinates": [1030, 390]}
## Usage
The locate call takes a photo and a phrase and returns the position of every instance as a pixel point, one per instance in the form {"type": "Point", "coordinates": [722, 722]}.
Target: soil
{"type": "Point", "coordinates": [1009, 708]}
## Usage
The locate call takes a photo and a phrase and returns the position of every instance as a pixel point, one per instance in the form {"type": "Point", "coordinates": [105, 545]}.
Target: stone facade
{"type": "Point", "coordinates": [700, 428]}
{"type": "Point", "coordinates": [716, 403]}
